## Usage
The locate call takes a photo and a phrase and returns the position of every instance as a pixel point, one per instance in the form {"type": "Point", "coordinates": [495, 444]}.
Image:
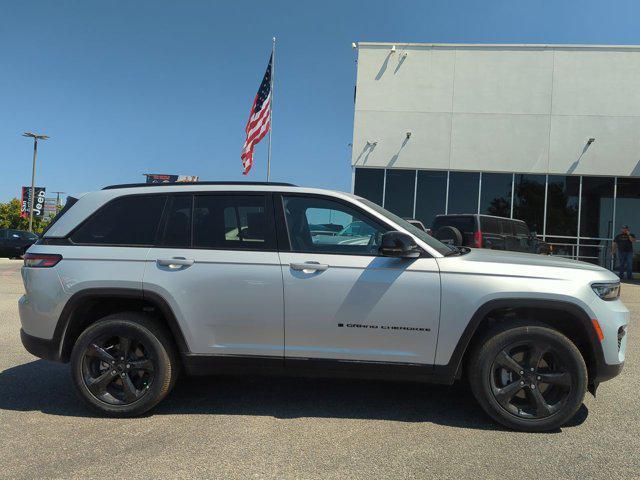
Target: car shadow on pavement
{"type": "Point", "coordinates": [46, 386]}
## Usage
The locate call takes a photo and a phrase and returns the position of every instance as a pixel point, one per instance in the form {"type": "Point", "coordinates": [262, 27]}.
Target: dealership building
{"type": "Point", "coordinates": [549, 134]}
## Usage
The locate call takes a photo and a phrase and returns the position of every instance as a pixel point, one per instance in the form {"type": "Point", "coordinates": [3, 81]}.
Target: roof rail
{"type": "Point", "coordinates": [171, 184]}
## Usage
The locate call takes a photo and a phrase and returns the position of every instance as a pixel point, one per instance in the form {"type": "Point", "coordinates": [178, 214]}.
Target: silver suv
{"type": "Point", "coordinates": [135, 283]}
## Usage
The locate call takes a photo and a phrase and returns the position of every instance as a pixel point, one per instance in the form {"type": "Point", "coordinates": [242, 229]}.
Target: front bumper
{"type": "Point", "coordinates": [607, 372]}
{"type": "Point", "coordinates": [40, 347]}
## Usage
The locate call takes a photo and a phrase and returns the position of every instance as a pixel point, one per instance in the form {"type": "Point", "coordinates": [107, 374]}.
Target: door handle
{"type": "Point", "coordinates": [176, 262]}
{"type": "Point", "coordinates": [309, 266]}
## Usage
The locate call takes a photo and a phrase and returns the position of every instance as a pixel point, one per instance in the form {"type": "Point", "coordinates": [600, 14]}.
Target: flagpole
{"type": "Point", "coordinates": [273, 69]}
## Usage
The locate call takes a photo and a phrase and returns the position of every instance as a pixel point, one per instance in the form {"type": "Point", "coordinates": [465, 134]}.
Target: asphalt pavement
{"type": "Point", "coordinates": [274, 428]}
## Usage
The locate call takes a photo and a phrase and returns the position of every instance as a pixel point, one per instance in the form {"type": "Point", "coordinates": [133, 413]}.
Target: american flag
{"type": "Point", "coordinates": [259, 120]}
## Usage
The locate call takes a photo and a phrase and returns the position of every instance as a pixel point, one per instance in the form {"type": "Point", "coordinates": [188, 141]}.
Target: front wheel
{"type": "Point", "coordinates": [529, 377]}
{"type": "Point", "coordinates": [124, 364]}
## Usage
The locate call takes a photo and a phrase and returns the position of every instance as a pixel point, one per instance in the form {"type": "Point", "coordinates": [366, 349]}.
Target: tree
{"type": "Point", "coordinates": [10, 217]}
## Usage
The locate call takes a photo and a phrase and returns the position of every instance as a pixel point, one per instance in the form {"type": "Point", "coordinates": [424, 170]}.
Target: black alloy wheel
{"type": "Point", "coordinates": [117, 370]}
{"type": "Point", "coordinates": [527, 376]}
{"type": "Point", "coordinates": [124, 364]}
{"type": "Point", "coordinates": [529, 380]}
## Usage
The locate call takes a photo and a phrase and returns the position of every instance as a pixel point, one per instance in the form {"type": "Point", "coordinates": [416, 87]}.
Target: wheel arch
{"type": "Point", "coordinates": [87, 306]}
{"type": "Point", "coordinates": [569, 318]}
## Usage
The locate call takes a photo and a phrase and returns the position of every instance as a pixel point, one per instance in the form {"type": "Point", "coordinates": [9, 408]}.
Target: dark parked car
{"type": "Point", "coordinates": [13, 243]}
{"type": "Point", "coordinates": [486, 231]}
{"type": "Point", "coordinates": [416, 223]}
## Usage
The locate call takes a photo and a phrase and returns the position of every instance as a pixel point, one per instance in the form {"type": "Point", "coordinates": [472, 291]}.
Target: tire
{"type": "Point", "coordinates": [510, 392]}
{"type": "Point", "coordinates": [130, 384]}
{"type": "Point", "coordinates": [450, 235]}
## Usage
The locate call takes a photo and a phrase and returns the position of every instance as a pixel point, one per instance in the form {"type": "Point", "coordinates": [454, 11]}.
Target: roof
{"type": "Point", "coordinates": [502, 45]}
{"type": "Point", "coordinates": [91, 201]}
{"type": "Point", "coordinates": [178, 184]}
{"type": "Point", "coordinates": [477, 215]}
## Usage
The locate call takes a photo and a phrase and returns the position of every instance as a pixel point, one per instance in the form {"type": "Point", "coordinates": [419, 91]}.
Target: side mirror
{"type": "Point", "coordinates": [398, 244]}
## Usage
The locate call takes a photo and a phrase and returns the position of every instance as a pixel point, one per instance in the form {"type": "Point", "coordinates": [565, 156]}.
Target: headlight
{"type": "Point", "coordinates": [607, 291]}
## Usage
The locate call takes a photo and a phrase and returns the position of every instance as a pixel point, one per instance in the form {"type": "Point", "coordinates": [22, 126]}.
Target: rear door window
{"type": "Point", "coordinates": [237, 222]}
{"type": "Point", "coordinates": [177, 227]}
{"type": "Point", "coordinates": [125, 221]}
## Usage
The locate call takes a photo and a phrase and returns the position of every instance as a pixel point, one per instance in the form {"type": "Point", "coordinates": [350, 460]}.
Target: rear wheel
{"type": "Point", "coordinates": [124, 364]}
{"type": "Point", "coordinates": [529, 378]}
{"type": "Point", "coordinates": [449, 235]}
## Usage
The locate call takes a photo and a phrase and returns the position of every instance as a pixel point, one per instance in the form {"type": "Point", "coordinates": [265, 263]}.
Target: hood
{"type": "Point", "coordinates": [503, 261]}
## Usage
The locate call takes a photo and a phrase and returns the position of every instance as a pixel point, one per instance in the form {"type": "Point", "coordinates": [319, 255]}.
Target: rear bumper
{"type": "Point", "coordinates": [40, 347]}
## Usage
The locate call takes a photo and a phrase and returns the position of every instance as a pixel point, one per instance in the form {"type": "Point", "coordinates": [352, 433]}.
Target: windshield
{"type": "Point", "coordinates": [440, 247]}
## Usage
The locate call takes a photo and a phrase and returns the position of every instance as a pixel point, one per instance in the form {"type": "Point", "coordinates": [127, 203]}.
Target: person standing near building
{"type": "Point", "coordinates": [623, 245]}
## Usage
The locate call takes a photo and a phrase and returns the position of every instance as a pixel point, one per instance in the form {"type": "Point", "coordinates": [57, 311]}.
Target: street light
{"type": "Point", "coordinates": [58, 197]}
{"type": "Point", "coordinates": [35, 137]}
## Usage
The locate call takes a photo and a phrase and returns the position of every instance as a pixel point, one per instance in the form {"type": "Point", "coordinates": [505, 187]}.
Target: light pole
{"type": "Point", "coordinates": [33, 173]}
{"type": "Point", "coordinates": [58, 197]}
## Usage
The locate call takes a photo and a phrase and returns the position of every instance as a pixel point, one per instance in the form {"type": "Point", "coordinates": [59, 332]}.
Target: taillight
{"type": "Point", "coordinates": [41, 260]}
{"type": "Point", "coordinates": [477, 239]}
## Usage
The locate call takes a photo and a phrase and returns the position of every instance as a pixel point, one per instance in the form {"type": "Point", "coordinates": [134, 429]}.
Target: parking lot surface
{"type": "Point", "coordinates": [243, 428]}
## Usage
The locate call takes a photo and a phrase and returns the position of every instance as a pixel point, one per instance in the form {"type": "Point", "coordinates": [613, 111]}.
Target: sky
{"type": "Point", "coordinates": [126, 88]}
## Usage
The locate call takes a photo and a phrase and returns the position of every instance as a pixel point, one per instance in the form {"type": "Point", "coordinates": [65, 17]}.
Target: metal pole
{"type": "Point", "coordinates": [33, 183]}
{"type": "Point", "coordinates": [273, 70]}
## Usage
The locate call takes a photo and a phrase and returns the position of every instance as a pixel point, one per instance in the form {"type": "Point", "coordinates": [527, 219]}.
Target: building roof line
{"type": "Point", "coordinates": [500, 45]}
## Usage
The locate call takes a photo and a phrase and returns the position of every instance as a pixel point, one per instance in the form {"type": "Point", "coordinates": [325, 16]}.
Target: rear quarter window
{"type": "Point", "coordinates": [521, 229]}
{"type": "Point", "coordinates": [126, 221]}
{"type": "Point", "coordinates": [507, 227]}
{"type": "Point", "coordinates": [464, 224]}
{"type": "Point", "coordinates": [489, 225]}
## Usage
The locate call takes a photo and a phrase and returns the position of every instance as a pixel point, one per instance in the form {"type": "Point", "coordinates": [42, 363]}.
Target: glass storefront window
{"type": "Point", "coordinates": [627, 211]}
{"type": "Point", "coordinates": [595, 251]}
{"type": "Point", "coordinates": [563, 247]}
{"type": "Point", "coordinates": [399, 190]}
{"type": "Point", "coordinates": [369, 183]}
{"type": "Point", "coordinates": [528, 200]}
{"type": "Point", "coordinates": [628, 205]}
{"type": "Point", "coordinates": [562, 205]}
{"type": "Point", "coordinates": [596, 207]}
{"type": "Point", "coordinates": [463, 192]}
{"type": "Point", "coordinates": [593, 212]}
{"type": "Point", "coordinates": [495, 194]}
{"type": "Point", "coordinates": [430, 195]}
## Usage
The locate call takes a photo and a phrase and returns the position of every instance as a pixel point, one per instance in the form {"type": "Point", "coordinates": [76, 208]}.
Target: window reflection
{"type": "Point", "coordinates": [628, 210]}
{"type": "Point", "coordinates": [562, 205]}
{"type": "Point", "coordinates": [431, 195]}
{"type": "Point", "coordinates": [628, 204]}
{"type": "Point", "coordinates": [563, 247]}
{"type": "Point", "coordinates": [495, 196]}
{"type": "Point", "coordinates": [597, 225]}
{"type": "Point", "coordinates": [596, 209]}
{"type": "Point", "coordinates": [528, 201]}
{"type": "Point", "coordinates": [596, 251]}
{"type": "Point", "coordinates": [398, 197]}
{"type": "Point", "coordinates": [463, 192]}
{"type": "Point", "coordinates": [369, 183]}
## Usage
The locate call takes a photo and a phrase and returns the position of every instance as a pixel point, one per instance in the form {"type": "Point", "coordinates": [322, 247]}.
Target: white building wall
{"type": "Point", "coordinates": [528, 108]}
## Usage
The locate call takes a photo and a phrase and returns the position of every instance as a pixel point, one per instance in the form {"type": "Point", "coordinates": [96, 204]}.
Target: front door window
{"type": "Point", "coordinates": [318, 225]}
